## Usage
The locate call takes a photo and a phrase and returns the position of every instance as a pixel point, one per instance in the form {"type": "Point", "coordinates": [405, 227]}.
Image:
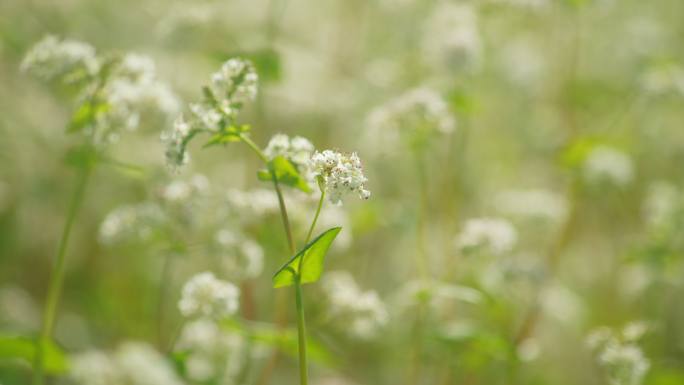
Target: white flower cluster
{"type": "Point", "coordinates": [212, 355]}
{"type": "Point", "coordinates": [533, 203]}
{"type": "Point", "coordinates": [341, 173]}
{"type": "Point", "coordinates": [136, 222]}
{"type": "Point", "coordinates": [235, 83]}
{"type": "Point", "coordinates": [131, 86]}
{"type": "Point", "coordinates": [663, 78]}
{"type": "Point", "coordinates": [114, 91]}
{"type": "Point", "coordinates": [243, 257]}
{"type": "Point", "coordinates": [619, 355]}
{"type": "Point", "coordinates": [607, 164]}
{"type": "Point", "coordinates": [65, 60]}
{"type": "Point", "coordinates": [361, 313]}
{"type": "Point", "coordinates": [664, 203]}
{"type": "Point", "coordinates": [497, 236]}
{"type": "Point", "coordinates": [452, 37]}
{"type": "Point", "coordinates": [297, 150]}
{"type": "Point", "coordinates": [416, 116]}
{"type": "Point", "coordinates": [206, 296]}
{"type": "Point", "coordinates": [178, 201]}
{"type": "Point", "coordinates": [133, 363]}
{"type": "Point", "coordinates": [252, 204]}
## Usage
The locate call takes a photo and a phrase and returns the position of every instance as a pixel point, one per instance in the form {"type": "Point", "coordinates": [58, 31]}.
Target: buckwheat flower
{"type": "Point", "coordinates": [607, 164]}
{"type": "Point", "coordinates": [341, 173]}
{"type": "Point", "coordinates": [244, 258]}
{"type": "Point", "coordinates": [143, 365]}
{"type": "Point", "coordinates": [18, 310]}
{"type": "Point", "coordinates": [176, 141]}
{"type": "Point", "coordinates": [663, 78]}
{"type": "Point", "coordinates": [206, 296]}
{"type": "Point", "coordinates": [211, 353]}
{"type": "Point", "coordinates": [361, 313]}
{"type": "Point", "coordinates": [94, 368]}
{"type": "Point", "coordinates": [662, 201]}
{"type": "Point", "coordinates": [235, 83]}
{"type": "Point", "coordinates": [452, 37]}
{"type": "Point", "coordinates": [66, 60]}
{"type": "Point", "coordinates": [136, 222]}
{"type": "Point", "coordinates": [533, 203]}
{"type": "Point", "coordinates": [297, 150]}
{"type": "Point", "coordinates": [497, 236]}
{"type": "Point", "coordinates": [180, 191]}
{"type": "Point", "coordinates": [624, 364]}
{"type": "Point", "coordinates": [619, 356]}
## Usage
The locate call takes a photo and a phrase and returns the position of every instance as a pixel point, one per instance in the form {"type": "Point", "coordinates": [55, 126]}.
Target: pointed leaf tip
{"type": "Point", "coordinates": [310, 259]}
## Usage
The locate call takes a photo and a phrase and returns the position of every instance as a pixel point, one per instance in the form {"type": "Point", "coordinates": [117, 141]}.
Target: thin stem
{"type": "Point", "coordinates": [281, 200]}
{"type": "Point", "coordinates": [57, 278]}
{"type": "Point", "coordinates": [281, 304]}
{"type": "Point", "coordinates": [254, 147]}
{"type": "Point", "coordinates": [283, 214]}
{"type": "Point", "coordinates": [318, 211]}
{"type": "Point", "coordinates": [301, 331]}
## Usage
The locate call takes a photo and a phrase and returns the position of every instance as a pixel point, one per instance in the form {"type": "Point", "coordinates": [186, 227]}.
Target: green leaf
{"type": "Point", "coordinates": [24, 348]}
{"type": "Point", "coordinates": [85, 115]}
{"type": "Point", "coordinates": [286, 173]}
{"type": "Point", "coordinates": [311, 257]}
{"type": "Point", "coordinates": [229, 135]}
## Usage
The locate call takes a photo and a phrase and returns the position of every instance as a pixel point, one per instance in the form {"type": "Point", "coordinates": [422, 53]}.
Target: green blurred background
{"type": "Point", "coordinates": [536, 87]}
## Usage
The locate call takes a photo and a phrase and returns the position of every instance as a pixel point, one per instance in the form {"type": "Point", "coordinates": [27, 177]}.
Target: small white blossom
{"type": "Point", "coordinates": [413, 117]}
{"type": "Point", "coordinates": [297, 150]}
{"type": "Point", "coordinates": [133, 363]}
{"type": "Point", "coordinates": [94, 368]}
{"type": "Point", "coordinates": [622, 360]}
{"type": "Point", "coordinates": [68, 60]}
{"type": "Point", "coordinates": [235, 83]}
{"type": "Point", "coordinates": [206, 296]}
{"type": "Point", "coordinates": [663, 78]}
{"type": "Point", "coordinates": [212, 353]}
{"type": "Point", "coordinates": [175, 141]}
{"type": "Point", "coordinates": [608, 164]}
{"type": "Point", "coordinates": [131, 222]}
{"type": "Point", "coordinates": [244, 258]}
{"type": "Point", "coordinates": [496, 235]}
{"type": "Point", "coordinates": [533, 203]}
{"type": "Point", "coordinates": [142, 365]}
{"type": "Point", "coordinates": [361, 313]}
{"type": "Point", "coordinates": [452, 37]}
{"type": "Point", "coordinates": [341, 173]}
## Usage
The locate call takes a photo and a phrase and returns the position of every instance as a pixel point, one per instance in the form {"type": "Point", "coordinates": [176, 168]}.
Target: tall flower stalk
{"type": "Point", "coordinates": [113, 91]}
{"type": "Point", "coordinates": [288, 162]}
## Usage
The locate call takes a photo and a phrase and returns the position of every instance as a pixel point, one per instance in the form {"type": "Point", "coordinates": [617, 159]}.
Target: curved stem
{"type": "Point", "coordinates": [57, 278]}
{"type": "Point", "coordinates": [301, 332]}
{"type": "Point", "coordinates": [318, 211]}
{"type": "Point", "coordinates": [281, 200]}
{"type": "Point", "coordinates": [281, 303]}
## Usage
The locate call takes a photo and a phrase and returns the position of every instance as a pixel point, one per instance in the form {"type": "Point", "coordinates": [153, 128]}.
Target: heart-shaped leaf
{"type": "Point", "coordinates": [309, 259]}
{"type": "Point", "coordinates": [286, 173]}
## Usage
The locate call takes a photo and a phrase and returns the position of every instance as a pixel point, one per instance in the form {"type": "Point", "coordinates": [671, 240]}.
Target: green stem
{"type": "Point", "coordinates": [57, 278]}
{"type": "Point", "coordinates": [281, 200]}
{"type": "Point", "coordinates": [301, 331]}
{"type": "Point", "coordinates": [318, 211]}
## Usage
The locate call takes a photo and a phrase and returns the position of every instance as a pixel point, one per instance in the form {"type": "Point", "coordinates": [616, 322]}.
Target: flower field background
{"type": "Point", "coordinates": [342, 192]}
